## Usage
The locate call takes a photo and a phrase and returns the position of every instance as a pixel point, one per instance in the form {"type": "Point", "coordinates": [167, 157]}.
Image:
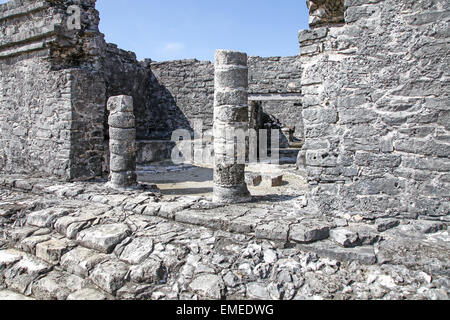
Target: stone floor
{"type": "Point", "coordinates": [84, 241]}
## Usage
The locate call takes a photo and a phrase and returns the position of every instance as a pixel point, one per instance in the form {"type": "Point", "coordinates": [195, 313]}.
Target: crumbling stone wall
{"type": "Point", "coordinates": [47, 113]}
{"type": "Point", "coordinates": [54, 84]}
{"type": "Point", "coordinates": [376, 110]}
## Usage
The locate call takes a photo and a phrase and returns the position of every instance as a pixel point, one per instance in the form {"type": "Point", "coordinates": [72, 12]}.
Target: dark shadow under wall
{"type": "Point", "coordinates": [164, 115]}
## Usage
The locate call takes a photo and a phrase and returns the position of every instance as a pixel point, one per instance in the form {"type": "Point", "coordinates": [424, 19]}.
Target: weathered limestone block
{"type": "Point", "coordinates": [151, 271]}
{"type": "Point", "coordinates": [21, 274]}
{"type": "Point", "coordinates": [344, 237]}
{"type": "Point", "coordinates": [210, 286]}
{"type": "Point", "coordinates": [122, 145]}
{"type": "Point", "coordinates": [274, 230]}
{"type": "Point", "coordinates": [103, 238]}
{"type": "Point", "coordinates": [230, 120]}
{"type": "Point", "coordinates": [137, 250]}
{"type": "Point", "coordinates": [56, 286]}
{"type": "Point", "coordinates": [51, 251]}
{"type": "Point", "coordinates": [46, 218]}
{"type": "Point", "coordinates": [80, 261]}
{"type": "Point", "coordinates": [309, 231]}
{"type": "Point", "coordinates": [29, 244]}
{"type": "Point", "coordinates": [110, 275]}
{"type": "Point", "coordinates": [8, 258]}
{"type": "Point", "coordinates": [69, 226]}
{"type": "Point", "coordinates": [386, 224]}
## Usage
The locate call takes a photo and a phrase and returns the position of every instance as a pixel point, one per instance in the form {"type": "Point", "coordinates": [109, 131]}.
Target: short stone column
{"type": "Point", "coordinates": [122, 142]}
{"type": "Point", "coordinates": [230, 127]}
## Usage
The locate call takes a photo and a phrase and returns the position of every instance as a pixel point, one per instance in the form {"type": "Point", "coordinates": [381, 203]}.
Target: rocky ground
{"type": "Point", "coordinates": [84, 241]}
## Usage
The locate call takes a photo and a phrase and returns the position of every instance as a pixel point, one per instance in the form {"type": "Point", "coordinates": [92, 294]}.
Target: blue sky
{"type": "Point", "coordinates": [179, 29]}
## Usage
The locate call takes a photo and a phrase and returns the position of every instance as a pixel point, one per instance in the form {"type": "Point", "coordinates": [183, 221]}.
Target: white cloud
{"type": "Point", "coordinates": [173, 47]}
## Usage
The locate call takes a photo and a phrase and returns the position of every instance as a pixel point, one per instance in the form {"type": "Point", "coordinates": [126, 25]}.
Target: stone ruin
{"type": "Point", "coordinates": [362, 112]}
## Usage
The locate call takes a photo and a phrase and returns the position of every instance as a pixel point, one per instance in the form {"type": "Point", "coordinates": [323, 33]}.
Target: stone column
{"type": "Point", "coordinates": [122, 142]}
{"type": "Point", "coordinates": [230, 119]}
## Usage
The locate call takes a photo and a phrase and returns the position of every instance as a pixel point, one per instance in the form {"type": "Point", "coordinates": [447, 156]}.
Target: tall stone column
{"type": "Point", "coordinates": [122, 143]}
{"type": "Point", "coordinates": [230, 126]}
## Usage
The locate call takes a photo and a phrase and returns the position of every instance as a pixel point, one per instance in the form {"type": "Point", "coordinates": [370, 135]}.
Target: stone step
{"type": "Point", "coordinates": [57, 269]}
{"type": "Point", "coordinates": [113, 246]}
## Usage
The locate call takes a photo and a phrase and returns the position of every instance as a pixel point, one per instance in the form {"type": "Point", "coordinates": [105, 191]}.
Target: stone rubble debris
{"type": "Point", "coordinates": [122, 253]}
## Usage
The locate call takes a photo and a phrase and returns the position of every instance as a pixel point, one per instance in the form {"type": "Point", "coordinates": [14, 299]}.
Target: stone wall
{"type": "Point", "coordinates": [124, 75]}
{"type": "Point", "coordinates": [35, 116]}
{"type": "Point", "coordinates": [87, 155]}
{"type": "Point", "coordinates": [376, 110]}
{"type": "Point", "coordinates": [47, 115]}
{"type": "Point", "coordinates": [54, 84]}
{"type": "Point", "coordinates": [182, 91]}
{"type": "Point", "coordinates": [276, 82]}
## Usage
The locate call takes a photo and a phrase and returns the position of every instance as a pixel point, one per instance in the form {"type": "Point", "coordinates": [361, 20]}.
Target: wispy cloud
{"type": "Point", "coordinates": [173, 48]}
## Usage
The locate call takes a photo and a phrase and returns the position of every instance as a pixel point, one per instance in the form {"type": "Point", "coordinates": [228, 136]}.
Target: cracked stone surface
{"type": "Point", "coordinates": [104, 245]}
{"type": "Point", "coordinates": [103, 238]}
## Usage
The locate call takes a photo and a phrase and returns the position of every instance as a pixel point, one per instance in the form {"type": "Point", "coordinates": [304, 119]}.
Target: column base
{"type": "Point", "coordinates": [122, 180]}
{"type": "Point", "coordinates": [229, 195]}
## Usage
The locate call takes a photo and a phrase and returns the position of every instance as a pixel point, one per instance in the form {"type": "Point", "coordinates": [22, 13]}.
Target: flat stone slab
{"type": "Point", "coordinates": [103, 238]}
{"type": "Point", "coordinates": [203, 218]}
{"type": "Point", "coordinates": [367, 234]}
{"type": "Point", "coordinates": [70, 226]}
{"type": "Point", "coordinates": [143, 198]}
{"type": "Point", "coordinates": [151, 209]}
{"type": "Point", "coordinates": [169, 209]}
{"type": "Point", "coordinates": [247, 223]}
{"type": "Point", "coordinates": [81, 261]}
{"type": "Point", "coordinates": [431, 256]}
{"type": "Point", "coordinates": [244, 225]}
{"type": "Point", "coordinates": [6, 295]}
{"type": "Point", "coordinates": [46, 218]}
{"type": "Point", "coordinates": [309, 231]}
{"type": "Point", "coordinates": [328, 249]}
{"type": "Point", "coordinates": [7, 210]}
{"type": "Point", "coordinates": [17, 235]}
{"type": "Point", "coordinates": [137, 250]}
